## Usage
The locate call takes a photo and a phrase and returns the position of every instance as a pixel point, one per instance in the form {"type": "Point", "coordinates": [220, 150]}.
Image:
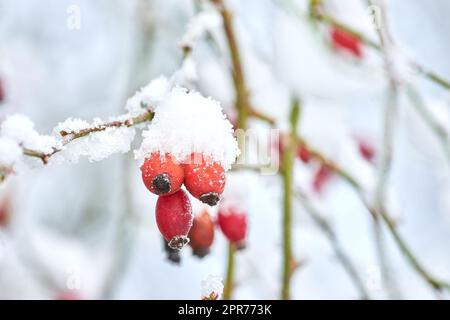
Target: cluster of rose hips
{"type": "Point", "coordinates": [205, 179]}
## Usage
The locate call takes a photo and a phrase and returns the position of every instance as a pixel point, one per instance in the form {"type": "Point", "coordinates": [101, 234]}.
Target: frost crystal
{"type": "Point", "coordinates": [187, 122]}
{"type": "Point", "coordinates": [212, 288]}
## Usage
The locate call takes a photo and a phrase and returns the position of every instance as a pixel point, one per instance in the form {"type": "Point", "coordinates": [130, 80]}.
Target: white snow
{"type": "Point", "coordinates": [10, 152]}
{"type": "Point", "coordinates": [148, 96]}
{"type": "Point", "coordinates": [200, 24]}
{"type": "Point", "coordinates": [187, 122]}
{"type": "Point", "coordinates": [21, 129]}
{"type": "Point", "coordinates": [212, 285]}
{"type": "Point", "coordinates": [98, 145]}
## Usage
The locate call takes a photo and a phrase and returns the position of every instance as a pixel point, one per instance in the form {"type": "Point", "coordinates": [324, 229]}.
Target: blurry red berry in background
{"type": "Point", "coordinates": [303, 154]}
{"type": "Point", "coordinates": [162, 175]}
{"type": "Point", "coordinates": [68, 295]}
{"type": "Point", "coordinates": [4, 212]}
{"type": "Point", "coordinates": [2, 91]}
{"type": "Point", "coordinates": [174, 218]}
{"type": "Point", "coordinates": [366, 150]}
{"type": "Point", "coordinates": [321, 177]}
{"type": "Point", "coordinates": [204, 178]}
{"type": "Point", "coordinates": [341, 39]}
{"type": "Point", "coordinates": [233, 223]}
{"type": "Point", "coordinates": [201, 235]}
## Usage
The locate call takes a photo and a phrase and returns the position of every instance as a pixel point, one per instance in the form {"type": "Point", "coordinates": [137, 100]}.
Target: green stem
{"type": "Point", "coordinates": [287, 175]}
{"type": "Point", "coordinates": [228, 287]}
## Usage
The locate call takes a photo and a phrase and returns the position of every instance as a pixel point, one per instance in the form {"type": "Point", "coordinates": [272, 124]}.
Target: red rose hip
{"type": "Point", "coordinates": [174, 218]}
{"type": "Point", "coordinates": [303, 154]}
{"type": "Point", "coordinates": [204, 178]}
{"type": "Point", "coordinates": [162, 175]}
{"type": "Point", "coordinates": [321, 178]}
{"type": "Point", "coordinates": [346, 41]}
{"type": "Point", "coordinates": [233, 223]}
{"type": "Point", "coordinates": [201, 235]}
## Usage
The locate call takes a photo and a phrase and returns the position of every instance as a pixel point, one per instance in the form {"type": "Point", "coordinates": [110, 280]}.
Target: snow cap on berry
{"type": "Point", "coordinates": [186, 122]}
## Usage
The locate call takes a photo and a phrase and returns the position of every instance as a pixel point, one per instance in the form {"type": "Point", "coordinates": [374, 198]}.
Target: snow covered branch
{"type": "Point", "coordinates": [69, 136]}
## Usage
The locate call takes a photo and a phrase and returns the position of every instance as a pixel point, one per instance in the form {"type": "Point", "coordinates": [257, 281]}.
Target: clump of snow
{"type": "Point", "coordinates": [20, 129]}
{"type": "Point", "coordinates": [10, 152]}
{"type": "Point", "coordinates": [199, 25]}
{"type": "Point", "coordinates": [98, 145]}
{"type": "Point", "coordinates": [187, 122]}
{"type": "Point", "coordinates": [212, 287]}
{"type": "Point", "coordinates": [149, 96]}
{"type": "Point", "coordinates": [187, 74]}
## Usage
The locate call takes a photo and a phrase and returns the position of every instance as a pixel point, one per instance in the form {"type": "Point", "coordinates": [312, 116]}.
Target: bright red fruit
{"type": "Point", "coordinates": [204, 178]}
{"type": "Point", "coordinates": [174, 218]}
{"type": "Point", "coordinates": [321, 178]}
{"type": "Point", "coordinates": [303, 154]}
{"type": "Point", "coordinates": [162, 175]}
{"type": "Point", "coordinates": [202, 234]}
{"type": "Point", "coordinates": [366, 150]}
{"type": "Point", "coordinates": [233, 223]}
{"type": "Point", "coordinates": [344, 40]}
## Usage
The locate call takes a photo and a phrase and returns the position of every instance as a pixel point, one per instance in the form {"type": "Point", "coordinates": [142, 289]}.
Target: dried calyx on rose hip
{"type": "Point", "coordinates": [201, 234]}
{"type": "Point", "coordinates": [173, 255]}
{"type": "Point", "coordinates": [232, 221]}
{"type": "Point", "coordinates": [174, 218]}
{"type": "Point", "coordinates": [162, 174]}
{"type": "Point", "coordinates": [204, 178]}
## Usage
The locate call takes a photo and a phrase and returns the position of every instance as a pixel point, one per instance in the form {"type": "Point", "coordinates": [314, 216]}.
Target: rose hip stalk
{"type": "Point", "coordinates": [174, 218]}
{"type": "Point", "coordinates": [202, 234]}
{"type": "Point", "coordinates": [162, 174]}
{"type": "Point", "coordinates": [233, 223]}
{"type": "Point", "coordinates": [204, 178]}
